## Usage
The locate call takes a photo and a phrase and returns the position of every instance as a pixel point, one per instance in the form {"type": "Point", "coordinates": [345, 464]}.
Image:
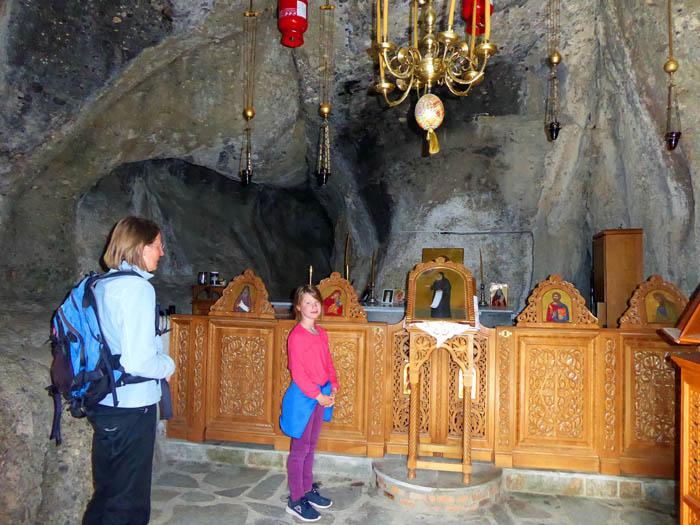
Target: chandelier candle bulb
{"type": "Point", "coordinates": [385, 35]}
{"type": "Point", "coordinates": [487, 30]}
{"type": "Point", "coordinates": [311, 274]}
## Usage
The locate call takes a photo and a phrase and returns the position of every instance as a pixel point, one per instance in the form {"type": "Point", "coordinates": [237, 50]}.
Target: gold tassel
{"type": "Point", "coordinates": [432, 139]}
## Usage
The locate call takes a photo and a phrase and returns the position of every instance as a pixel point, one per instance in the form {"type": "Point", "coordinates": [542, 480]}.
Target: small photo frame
{"type": "Point", "coordinates": [399, 296]}
{"type": "Point", "coordinates": [498, 295]}
{"type": "Point", "coordinates": [387, 296]}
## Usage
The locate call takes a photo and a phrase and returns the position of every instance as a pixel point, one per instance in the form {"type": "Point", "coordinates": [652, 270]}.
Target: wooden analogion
{"type": "Point", "coordinates": [556, 391]}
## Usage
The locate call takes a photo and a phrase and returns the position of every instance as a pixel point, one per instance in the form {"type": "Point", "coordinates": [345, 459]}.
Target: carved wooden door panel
{"type": "Point", "coordinates": [188, 348]}
{"type": "Point", "coordinates": [556, 400]}
{"type": "Point", "coordinates": [652, 388]}
{"type": "Point", "coordinates": [240, 385]}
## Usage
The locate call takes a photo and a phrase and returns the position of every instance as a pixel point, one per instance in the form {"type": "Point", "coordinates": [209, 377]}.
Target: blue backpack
{"type": "Point", "coordinates": [83, 370]}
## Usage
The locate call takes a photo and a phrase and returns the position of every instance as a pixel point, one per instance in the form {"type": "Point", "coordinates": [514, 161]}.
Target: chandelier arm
{"type": "Point", "coordinates": [398, 73]}
{"type": "Point", "coordinates": [449, 73]}
{"type": "Point", "coordinates": [401, 98]}
{"type": "Point", "coordinates": [454, 91]}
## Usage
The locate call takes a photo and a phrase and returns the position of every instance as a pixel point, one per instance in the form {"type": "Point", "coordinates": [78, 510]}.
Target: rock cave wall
{"type": "Point", "coordinates": [108, 109]}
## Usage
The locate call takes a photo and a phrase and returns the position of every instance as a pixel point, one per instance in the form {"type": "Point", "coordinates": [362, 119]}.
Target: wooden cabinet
{"type": "Point", "coordinates": [618, 267]}
{"type": "Point", "coordinates": [203, 297]}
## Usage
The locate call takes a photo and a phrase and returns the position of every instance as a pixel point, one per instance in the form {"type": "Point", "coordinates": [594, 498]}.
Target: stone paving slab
{"type": "Point", "coordinates": [211, 494]}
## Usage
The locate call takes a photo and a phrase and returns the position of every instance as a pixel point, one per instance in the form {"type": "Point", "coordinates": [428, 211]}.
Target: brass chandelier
{"type": "Point", "coordinates": [434, 58]}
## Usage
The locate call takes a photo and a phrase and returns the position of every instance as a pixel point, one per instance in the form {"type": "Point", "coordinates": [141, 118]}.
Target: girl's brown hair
{"type": "Point", "coordinates": [127, 241]}
{"type": "Point", "coordinates": [299, 294]}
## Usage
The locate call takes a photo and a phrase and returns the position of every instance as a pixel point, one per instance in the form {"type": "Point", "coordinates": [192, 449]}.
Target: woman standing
{"type": "Point", "coordinates": [307, 402]}
{"type": "Point", "coordinates": [124, 435]}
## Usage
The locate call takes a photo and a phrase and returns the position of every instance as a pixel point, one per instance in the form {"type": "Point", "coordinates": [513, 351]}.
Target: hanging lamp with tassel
{"type": "Point", "coordinates": [245, 161]}
{"type": "Point", "coordinates": [673, 114]}
{"type": "Point", "coordinates": [325, 70]}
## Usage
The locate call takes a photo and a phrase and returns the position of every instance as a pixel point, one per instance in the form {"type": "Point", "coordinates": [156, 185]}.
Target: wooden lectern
{"type": "Point", "coordinates": [440, 291]}
{"type": "Point", "coordinates": [688, 332]}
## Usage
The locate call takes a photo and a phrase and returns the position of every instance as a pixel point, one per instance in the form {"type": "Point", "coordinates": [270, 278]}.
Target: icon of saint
{"type": "Point", "coordinates": [332, 305]}
{"type": "Point", "coordinates": [440, 307]}
{"type": "Point", "coordinates": [243, 303]}
{"type": "Point", "coordinates": [557, 312]}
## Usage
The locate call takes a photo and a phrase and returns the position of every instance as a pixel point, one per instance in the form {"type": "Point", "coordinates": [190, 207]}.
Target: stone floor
{"type": "Point", "coordinates": [212, 493]}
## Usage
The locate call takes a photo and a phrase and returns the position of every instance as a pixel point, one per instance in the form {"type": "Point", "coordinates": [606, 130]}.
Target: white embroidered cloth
{"type": "Point", "coordinates": [442, 331]}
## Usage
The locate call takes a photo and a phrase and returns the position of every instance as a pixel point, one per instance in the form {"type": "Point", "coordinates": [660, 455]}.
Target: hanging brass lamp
{"type": "Point", "coordinates": [325, 71]}
{"type": "Point", "coordinates": [673, 114]}
{"type": "Point", "coordinates": [245, 161]}
{"type": "Point", "coordinates": [552, 123]}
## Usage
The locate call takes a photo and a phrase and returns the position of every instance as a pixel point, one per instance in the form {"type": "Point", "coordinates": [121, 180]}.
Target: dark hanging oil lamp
{"type": "Point", "coordinates": [245, 162]}
{"type": "Point", "coordinates": [554, 128]}
{"type": "Point", "coordinates": [554, 59]}
{"type": "Point", "coordinates": [673, 114]}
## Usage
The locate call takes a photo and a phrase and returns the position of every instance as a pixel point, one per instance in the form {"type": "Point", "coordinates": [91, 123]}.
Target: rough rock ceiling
{"type": "Point", "coordinates": [90, 89]}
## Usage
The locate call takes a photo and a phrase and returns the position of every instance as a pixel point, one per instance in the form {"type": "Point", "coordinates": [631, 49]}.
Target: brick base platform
{"type": "Point", "coordinates": [437, 491]}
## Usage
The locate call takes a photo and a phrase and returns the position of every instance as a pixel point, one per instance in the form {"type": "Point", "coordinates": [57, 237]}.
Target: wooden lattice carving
{"type": "Point", "coordinates": [654, 304]}
{"type": "Point", "coordinates": [556, 302]}
{"type": "Point", "coordinates": [340, 301]}
{"type": "Point", "coordinates": [245, 296]}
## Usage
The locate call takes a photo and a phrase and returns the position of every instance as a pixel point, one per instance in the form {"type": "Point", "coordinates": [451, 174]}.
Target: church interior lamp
{"type": "Point", "coordinates": [434, 58]}
{"type": "Point", "coordinates": [554, 59]}
{"type": "Point", "coordinates": [245, 161]}
{"type": "Point", "coordinates": [673, 116]}
{"type": "Point", "coordinates": [325, 70]}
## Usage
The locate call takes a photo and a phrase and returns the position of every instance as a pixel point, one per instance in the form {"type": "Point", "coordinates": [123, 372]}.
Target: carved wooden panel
{"type": "Point", "coordinates": [610, 399]}
{"type": "Point", "coordinates": [654, 397]}
{"type": "Point", "coordinates": [504, 388]}
{"type": "Point", "coordinates": [401, 387]}
{"type": "Point", "coordinates": [455, 393]}
{"type": "Point", "coordinates": [376, 398]}
{"type": "Point", "coordinates": [649, 397]}
{"type": "Point", "coordinates": [198, 367]}
{"type": "Point", "coordinates": [180, 352]}
{"type": "Point", "coordinates": [571, 304]}
{"type": "Point", "coordinates": [239, 379]}
{"type": "Point", "coordinates": [557, 390]}
{"type": "Point", "coordinates": [188, 350]}
{"type": "Point", "coordinates": [243, 366]}
{"type": "Point", "coordinates": [345, 349]}
{"type": "Point", "coordinates": [181, 336]}
{"type": "Point", "coordinates": [693, 445]}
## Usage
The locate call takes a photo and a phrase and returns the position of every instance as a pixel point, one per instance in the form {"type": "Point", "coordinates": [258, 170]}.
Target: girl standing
{"type": "Point", "coordinates": [307, 402]}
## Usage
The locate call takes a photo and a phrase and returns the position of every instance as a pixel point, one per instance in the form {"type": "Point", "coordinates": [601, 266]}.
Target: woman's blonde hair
{"type": "Point", "coordinates": [299, 294]}
{"type": "Point", "coordinates": [127, 241]}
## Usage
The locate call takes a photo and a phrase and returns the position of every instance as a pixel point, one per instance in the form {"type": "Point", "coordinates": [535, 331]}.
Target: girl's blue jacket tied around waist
{"type": "Point", "coordinates": [297, 408]}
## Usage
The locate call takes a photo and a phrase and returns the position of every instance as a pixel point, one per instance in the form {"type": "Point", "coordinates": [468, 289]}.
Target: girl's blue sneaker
{"type": "Point", "coordinates": [302, 510]}
{"type": "Point", "coordinates": [316, 499]}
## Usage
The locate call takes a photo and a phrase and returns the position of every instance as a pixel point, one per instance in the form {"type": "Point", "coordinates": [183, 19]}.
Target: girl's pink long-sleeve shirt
{"type": "Point", "coordinates": [310, 360]}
